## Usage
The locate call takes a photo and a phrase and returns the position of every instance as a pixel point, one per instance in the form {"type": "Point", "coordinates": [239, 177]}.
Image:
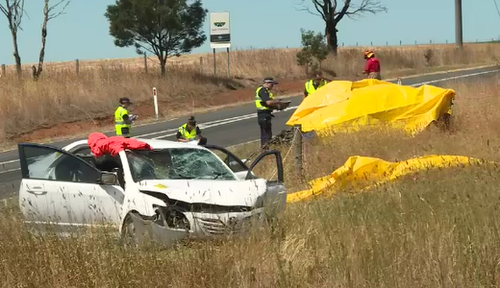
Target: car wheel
{"type": "Point", "coordinates": [128, 235]}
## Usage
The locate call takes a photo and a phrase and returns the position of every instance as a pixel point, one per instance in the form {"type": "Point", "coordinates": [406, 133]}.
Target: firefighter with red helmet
{"type": "Point", "coordinates": [372, 68]}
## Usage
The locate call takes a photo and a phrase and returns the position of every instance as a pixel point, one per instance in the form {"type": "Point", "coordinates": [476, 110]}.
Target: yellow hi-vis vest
{"type": "Point", "coordinates": [187, 135]}
{"type": "Point", "coordinates": [310, 86]}
{"type": "Point", "coordinates": [119, 122]}
{"type": "Point", "coordinates": [258, 99]}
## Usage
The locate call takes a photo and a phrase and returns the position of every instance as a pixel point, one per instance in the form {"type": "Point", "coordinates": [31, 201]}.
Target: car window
{"type": "Point", "coordinates": [230, 161]}
{"type": "Point", "coordinates": [47, 164]}
{"type": "Point", "coordinates": [177, 163]}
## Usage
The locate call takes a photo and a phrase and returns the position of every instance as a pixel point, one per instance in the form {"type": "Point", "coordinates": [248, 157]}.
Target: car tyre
{"type": "Point", "coordinates": [128, 237]}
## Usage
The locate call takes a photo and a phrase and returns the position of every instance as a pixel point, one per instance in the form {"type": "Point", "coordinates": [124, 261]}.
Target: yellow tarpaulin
{"type": "Point", "coordinates": [372, 102]}
{"type": "Point", "coordinates": [365, 172]}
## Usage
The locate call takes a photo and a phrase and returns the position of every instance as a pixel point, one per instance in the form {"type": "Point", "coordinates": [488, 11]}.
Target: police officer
{"type": "Point", "coordinates": [265, 104]}
{"type": "Point", "coordinates": [190, 131]}
{"type": "Point", "coordinates": [314, 84]}
{"type": "Point", "coordinates": [123, 119]}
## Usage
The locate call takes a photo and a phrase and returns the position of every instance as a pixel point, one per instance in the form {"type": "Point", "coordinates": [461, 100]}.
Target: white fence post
{"type": "Point", "coordinates": [155, 99]}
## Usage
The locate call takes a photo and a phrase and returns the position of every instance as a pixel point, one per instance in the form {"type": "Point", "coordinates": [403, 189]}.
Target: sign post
{"type": "Point", "coordinates": [220, 35]}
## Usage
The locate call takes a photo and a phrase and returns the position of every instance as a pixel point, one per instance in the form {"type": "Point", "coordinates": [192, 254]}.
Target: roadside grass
{"type": "Point", "coordinates": [436, 228]}
{"type": "Point", "coordinates": [61, 96]}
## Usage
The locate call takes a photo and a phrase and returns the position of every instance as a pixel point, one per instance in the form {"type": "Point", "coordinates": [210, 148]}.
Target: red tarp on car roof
{"type": "Point", "coordinates": [101, 144]}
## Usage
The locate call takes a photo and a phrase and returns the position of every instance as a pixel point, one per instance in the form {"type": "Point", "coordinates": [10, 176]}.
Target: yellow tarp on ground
{"type": "Point", "coordinates": [365, 172]}
{"type": "Point", "coordinates": [372, 102]}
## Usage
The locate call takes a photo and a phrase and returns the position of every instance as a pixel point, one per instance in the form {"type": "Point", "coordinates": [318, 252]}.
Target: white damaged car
{"type": "Point", "coordinates": [175, 191]}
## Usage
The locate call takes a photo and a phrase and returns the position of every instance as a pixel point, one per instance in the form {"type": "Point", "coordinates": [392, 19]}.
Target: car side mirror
{"type": "Point", "coordinates": [108, 178]}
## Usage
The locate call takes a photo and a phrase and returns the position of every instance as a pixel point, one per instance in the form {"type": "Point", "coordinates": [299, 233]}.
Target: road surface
{"type": "Point", "coordinates": [224, 127]}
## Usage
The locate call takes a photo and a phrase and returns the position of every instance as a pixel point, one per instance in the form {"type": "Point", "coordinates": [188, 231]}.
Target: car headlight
{"type": "Point", "coordinates": [171, 217]}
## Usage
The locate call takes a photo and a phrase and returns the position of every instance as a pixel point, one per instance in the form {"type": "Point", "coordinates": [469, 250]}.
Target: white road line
{"type": "Point", "coordinates": [8, 162]}
{"type": "Point", "coordinates": [10, 170]}
{"type": "Point", "coordinates": [455, 77]}
{"type": "Point", "coordinates": [220, 122]}
{"type": "Point", "coordinates": [206, 125]}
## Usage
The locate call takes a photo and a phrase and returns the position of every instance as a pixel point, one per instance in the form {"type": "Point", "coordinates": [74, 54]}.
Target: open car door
{"type": "Point", "coordinates": [62, 188]}
{"type": "Point", "coordinates": [260, 168]}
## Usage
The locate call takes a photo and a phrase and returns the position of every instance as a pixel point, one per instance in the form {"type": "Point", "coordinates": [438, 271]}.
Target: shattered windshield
{"type": "Point", "coordinates": [177, 163]}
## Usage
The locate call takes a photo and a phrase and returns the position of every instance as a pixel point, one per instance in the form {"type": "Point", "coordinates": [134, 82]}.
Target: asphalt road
{"type": "Point", "coordinates": [224, 127]}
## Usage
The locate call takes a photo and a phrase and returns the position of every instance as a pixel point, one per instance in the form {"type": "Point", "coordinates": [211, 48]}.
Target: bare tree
{"type": "Point", "coordinates": [333, 12]}
{"type": "Point", "coordinates": [14, 11]}
{"type": "Point", "coordinates": [49, 13]}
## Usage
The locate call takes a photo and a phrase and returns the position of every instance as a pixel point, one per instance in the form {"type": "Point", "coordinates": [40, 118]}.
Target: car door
{"type": "Point", "coordinates": [241, 169]}
{"type": "Point", "coordinates": [275, 199]}
{"type": "Point", "coordinates": [60, 187]}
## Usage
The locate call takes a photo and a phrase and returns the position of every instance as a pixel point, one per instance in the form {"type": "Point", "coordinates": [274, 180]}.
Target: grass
{"type": "Point", "coordinates": [62, 96]}
{"type": "Point", "coordinates": [432, 229]}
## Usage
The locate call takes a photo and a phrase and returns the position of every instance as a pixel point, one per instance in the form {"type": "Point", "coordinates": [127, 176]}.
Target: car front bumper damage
{"type": "Point", "coordinates": [173, 223]}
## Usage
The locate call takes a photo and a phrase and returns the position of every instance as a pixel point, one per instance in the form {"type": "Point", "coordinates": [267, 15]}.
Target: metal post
{"type": "Point", "coordinates": [3, 69]}
{"type": "Point", "coordinates": [77, 66]}
{"type": "Point", "coordinates": [146, 63]}
{"type": "Point", "coordinates": [215, 64]}
{"type": "Point", "coordinates": [228, 74]}
{"type": "Point", "coordinates": [298, 148]}
{"type": "Point", "coordinates": [458, 25]}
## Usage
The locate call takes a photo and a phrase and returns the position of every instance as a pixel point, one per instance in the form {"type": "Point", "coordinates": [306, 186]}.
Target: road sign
{"type": "Point", "coordinates": [220, 33]}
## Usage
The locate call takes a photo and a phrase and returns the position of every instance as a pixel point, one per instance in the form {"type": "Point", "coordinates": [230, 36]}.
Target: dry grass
{"type": "Point", "coordinates": [440, 230]}
{"type": "Point", "coordinates": [61, 96]}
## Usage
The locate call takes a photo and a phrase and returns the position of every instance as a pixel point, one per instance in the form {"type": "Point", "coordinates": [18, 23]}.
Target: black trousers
{"type": "Point", "coordinates": [266, 132]}
{"type": "Point", "coordinates": [125, 132]}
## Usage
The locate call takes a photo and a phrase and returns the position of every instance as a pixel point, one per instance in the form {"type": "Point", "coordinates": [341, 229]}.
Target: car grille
{"type": "Point", "coordinates": [213, 226]}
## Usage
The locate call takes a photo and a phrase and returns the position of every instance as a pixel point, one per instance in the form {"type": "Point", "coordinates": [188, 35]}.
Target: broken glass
{"type": "Point", "coordinates": [177, 163]}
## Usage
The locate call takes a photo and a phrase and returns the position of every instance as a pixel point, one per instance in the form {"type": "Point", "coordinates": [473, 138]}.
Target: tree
{"type": "Point", "coordinates": [313, 48]}
{"type": "Point", "coordinates": [14, 11]}
{"type": "Point", "coordinates": [332, 13]}
{"type": "Point", "coordinates": [165, 28]}
{"type": "Point", "coordinates": [49, 13]}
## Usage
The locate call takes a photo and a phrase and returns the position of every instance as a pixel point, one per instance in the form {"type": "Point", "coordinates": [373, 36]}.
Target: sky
{"type": "Point", "coordinates": [83, 32]}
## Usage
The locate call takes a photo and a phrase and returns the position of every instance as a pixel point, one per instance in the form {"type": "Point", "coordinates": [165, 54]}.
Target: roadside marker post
{"type": "Point", "coordinates": [299, 158]}
{"type": "Point", "coordinates": [155, 100]}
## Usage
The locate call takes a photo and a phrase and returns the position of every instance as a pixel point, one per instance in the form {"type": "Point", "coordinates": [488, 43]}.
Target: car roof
{"type": "Point", "coordinates": [154, 143]}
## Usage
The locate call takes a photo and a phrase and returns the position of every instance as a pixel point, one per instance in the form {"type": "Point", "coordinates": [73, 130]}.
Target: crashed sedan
{"type": "Point", "coordinates": [165, 190]}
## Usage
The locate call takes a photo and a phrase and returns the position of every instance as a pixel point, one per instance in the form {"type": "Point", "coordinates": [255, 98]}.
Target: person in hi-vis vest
{"type": "Point", "coordinates": [123, 118]}
{"type": "Point", "coordinates": [314, 84]}
{"type": "Point", "coordinates": [190, 131]}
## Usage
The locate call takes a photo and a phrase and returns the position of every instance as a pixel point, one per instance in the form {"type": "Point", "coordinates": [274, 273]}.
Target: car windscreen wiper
{"type": "Point", "coordinates": [182, 176]}
{"type": "Point", "coordinates": [217, 174]}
